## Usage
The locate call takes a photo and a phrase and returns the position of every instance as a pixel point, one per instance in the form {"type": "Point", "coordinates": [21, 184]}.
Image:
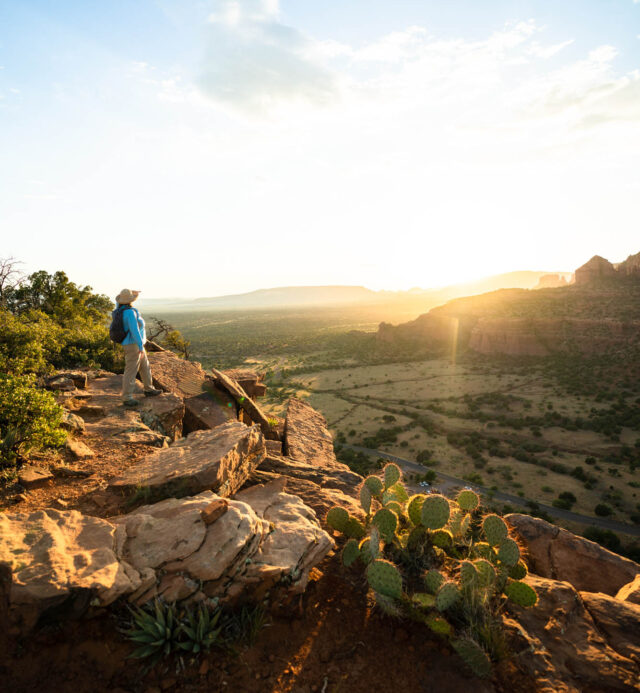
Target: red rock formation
{"type": "Point", "coordinates": [597, 268]}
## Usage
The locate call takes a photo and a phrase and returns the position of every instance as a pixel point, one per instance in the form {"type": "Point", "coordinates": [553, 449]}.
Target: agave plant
{"type": "Point", "coordinates": [200, 630]}
{"type": "Point", "coordinates": [156, 630]}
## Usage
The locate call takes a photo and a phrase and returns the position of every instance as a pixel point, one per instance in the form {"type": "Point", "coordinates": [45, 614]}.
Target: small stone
{"type": "Point", "coordinates": [214, 510]}
{"type": "Point", "coordinates": [79, 450]}
{"type": "Point", "coordinates": [204, 668]}
{"type": "Point", "coordinates": [20, 498]}
{"type": "Point", "coordinates": [62, 503]}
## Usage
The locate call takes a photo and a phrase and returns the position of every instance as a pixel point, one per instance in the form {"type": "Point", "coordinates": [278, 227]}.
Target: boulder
{"type": "Point", "coordinates": [60, 382]}
{"type": "Point", "coordinates": [320, 499]}
{"type": "Point", "coordinates": [31, 476]}
{"type": "Point", "coordinates": [555, 553]}
{"type": "Point", "coordinates": [631, 591]}
{"type": "Point", "coordinates": [176, 375]}
{"type": "Point", "coordinates": [209, 409]}
{"type": "Point", "coordinates": [72, 422]}
{"type": "Point", "coordinates": [220, 459]}
{"type": "Point", "coordinates": [617, 621]}
{"type": "Point", "coordinates": [559, 644]}
{"type": "Point", "coordinates": [226, 548]}
{"type": "Point", "coordinates": [164, 414]}
{"type": "Point", "coordinates": [294, 546]}
{"type": "Point", "coordinates": [306, 436]}
{"type": "Point", "coordinates": [78, 449]}
{"type": "Point", "coordinates": [59, 559]}
{"type": "Point", "coordinates": [335, 475]}
{"type": "Point", "coordinates": [249, 381]}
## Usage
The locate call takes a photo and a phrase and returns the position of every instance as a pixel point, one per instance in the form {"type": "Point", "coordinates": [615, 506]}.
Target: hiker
{"type": "Point", "coordinates": [127, 328]}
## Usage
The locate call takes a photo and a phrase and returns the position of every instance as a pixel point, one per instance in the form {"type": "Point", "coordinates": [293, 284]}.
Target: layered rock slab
{"type": "Point", "coordinates": [563, 648]}
{"type": "Point", "coordinates": [52, 558]}
{"type": "Point", "coordinates": [556, 553]}
{"type": "Point", "coordinates": [260, 539]}
{"type": "Point", "coordinates": [306, 436]}
{"type": "Point", "coordinates": [220, 459]}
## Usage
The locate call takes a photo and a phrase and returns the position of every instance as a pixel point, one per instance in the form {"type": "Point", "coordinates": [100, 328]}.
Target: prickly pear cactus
{"type": "Point", "coordinates": [468, 500]}
{"type": "Point", "coordinates": [439, 625]}
{"type": "Point", "coordinates": [485, 571]}
{"type": "Point", "coordinates": [396, 493]}
{"type": "Point", "coordinates": [519, 571]}
{"type": "Point", "coordinates": [482, 550]}
{"type": "Point", "coordinates": [365, 498]}
{"type": "Point", "coordinates": [435, 511]}
{"type": "Point", "coordinates": [468, 574]}
{"type": "Point", "coordinates": [414, 508]}
{"type": "Point", "coordinates": [388, 605]}
{"type": "Point", "coordinates": [447, 595]}
{"type": "Point", "coordinates": [465, 524]}
{"type": "Point", "coordinates": [384, 578]}
{"type": "Point", "coordinates": [395, 507]}
{"type": "Point", "coordinates": [374, 485]}
{"type": "Point", "coordinates": [509, 552]}
{"type": "Point", "coordinates": [423, 599]}
{"type": "Point", "coordinates": [386, 522]}
{"type": "Point", "coordinates": [416, 539]}
{"type": "Point", "coordinates": [495, 529]}
{"type": "Point", "coordinates": [374, 542]}
{"type": "Point", "coordinates": [442, 538]}
{"type": "Point", "coordinates": [521, 593]}
{"type": "Point", "coordinates": [392, 475]}
{"type": "Point", "coordinates": [338, 519]}
{"type": "Point", "coordinates": [474, 656]}
{"type": "Point", "coordinates": [433, 580]}
{"type": "Point", "coordinates": [350, 553]}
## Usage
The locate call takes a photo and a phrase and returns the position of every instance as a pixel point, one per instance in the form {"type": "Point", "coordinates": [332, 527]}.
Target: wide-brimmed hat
{"type": "Point", "coordinates": [127, 296]}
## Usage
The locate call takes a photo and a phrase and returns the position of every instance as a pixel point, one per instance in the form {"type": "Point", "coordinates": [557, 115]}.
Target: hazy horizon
{"type": "Point", "coordinates": [214, 148]}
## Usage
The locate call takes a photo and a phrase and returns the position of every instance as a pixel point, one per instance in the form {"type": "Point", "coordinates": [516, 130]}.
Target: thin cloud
{"type": "Point", "coordinates": [254, 61]}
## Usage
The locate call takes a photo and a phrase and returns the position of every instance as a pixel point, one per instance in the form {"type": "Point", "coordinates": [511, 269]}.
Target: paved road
{"type": "Point", "coordinates": [558, 513]}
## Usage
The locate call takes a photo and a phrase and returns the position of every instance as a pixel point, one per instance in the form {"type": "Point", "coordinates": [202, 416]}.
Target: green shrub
{"type": "Point", "coordinates": [29, 418]}
{"type": "Point", "coordinates": [603, 510]}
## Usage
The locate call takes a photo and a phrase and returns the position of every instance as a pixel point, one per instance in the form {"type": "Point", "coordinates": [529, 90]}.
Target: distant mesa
{"type": "Point", "coordinates": [598, 269]}
{"type": "Point", "coordinates": [551, 281]}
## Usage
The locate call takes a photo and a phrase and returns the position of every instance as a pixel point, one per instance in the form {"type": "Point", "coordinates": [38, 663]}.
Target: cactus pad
{"type": "Point", "coordinates": [521, 593]}
{"type": "Point", "coordinates": [435, 511]}
{"type": "Point", "coordinates": [338, 519]}
{"type": "Point", "coordinates": [414, 509]}
{"type": "Point", "coordinates": [433, 580]}
{"type": "Point", "coordinates": [519, 570]}
{"type": "Point", "coordinates": [388, 606]}
{"type": "Point", "coordinates": [465, 523]}
{"type": "Point", "coordinates": [364, 548]}
{"type": "Point", "coordinates": [468, 500]}
{"type": "Point", "coordinates": [447, 595]}
{"type": "Point", "coordinates": [439, 625]}
{"type": "Point", "coordinates": [350, 552]}
{"type": "Point", "coordinates": [474, 656]}
{"type": "Point", "coordinates": [374, 485]}
{"type": "Point", "coordinates": [442, 538]}
{"type": "Point", "coordinates": [386, 522]}
{"type": "Point", "coordinates": [384, 579]}
{"type": "Point", "coordinates": [495, 529]}
{"type": "Point", "coordinates": [374, 545]}
{"type": "Point", "coordinates": [423, 599]}
{"type": "Point", "coordinates": [392, 475]}
{"type": "Point", "coordinates": [365, 498]}
{"type": "Point", "coordinates": [483, 550]}
{"type": "Point", "coordinates": [468, 574]}
{"type": "Point", "coordinates": [485, 571]}
{"type": "Point", "coordinates": [416, 538]}
{"type": "Point", "coordinates": [509, 552]}
{"type": "Point", "coordinates": [395, 507]}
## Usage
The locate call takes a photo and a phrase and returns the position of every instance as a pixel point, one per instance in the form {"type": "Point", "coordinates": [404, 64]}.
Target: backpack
{"type": "Point", "coordinates": [117, 333]}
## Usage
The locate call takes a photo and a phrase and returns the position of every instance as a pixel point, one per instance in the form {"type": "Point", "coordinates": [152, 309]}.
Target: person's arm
{"type": "Point", "coordinates": [131, 326]}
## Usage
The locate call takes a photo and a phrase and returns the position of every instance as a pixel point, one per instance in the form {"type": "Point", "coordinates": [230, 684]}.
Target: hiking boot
{"type": "Point", "coordinates": [130, 402]}
{"type": "Point", "coordinates": [152, 392]}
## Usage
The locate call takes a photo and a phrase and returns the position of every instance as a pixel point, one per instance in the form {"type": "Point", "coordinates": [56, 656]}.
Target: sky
{"type": "Point", "coordinates": [201, 148]}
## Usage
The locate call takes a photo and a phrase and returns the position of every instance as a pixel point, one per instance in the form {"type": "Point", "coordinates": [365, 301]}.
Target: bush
{"type": "Point", "coordinates": [604, 537]}
{"type": "Point", "coordinates": [603, 510]}
{"type": "Point", "coordinates": [29, 418]}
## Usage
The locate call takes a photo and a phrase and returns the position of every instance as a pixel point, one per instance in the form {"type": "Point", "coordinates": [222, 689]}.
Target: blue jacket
{"type": "Point", "coordinates": [134, 327]}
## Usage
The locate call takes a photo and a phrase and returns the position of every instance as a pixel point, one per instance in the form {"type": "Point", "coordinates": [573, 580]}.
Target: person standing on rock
{"type": "Point", "coordinates": [127, 321]}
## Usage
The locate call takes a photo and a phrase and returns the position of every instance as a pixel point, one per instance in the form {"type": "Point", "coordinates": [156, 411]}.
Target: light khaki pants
{"type": "Point", "coordinates": [135, 361]}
